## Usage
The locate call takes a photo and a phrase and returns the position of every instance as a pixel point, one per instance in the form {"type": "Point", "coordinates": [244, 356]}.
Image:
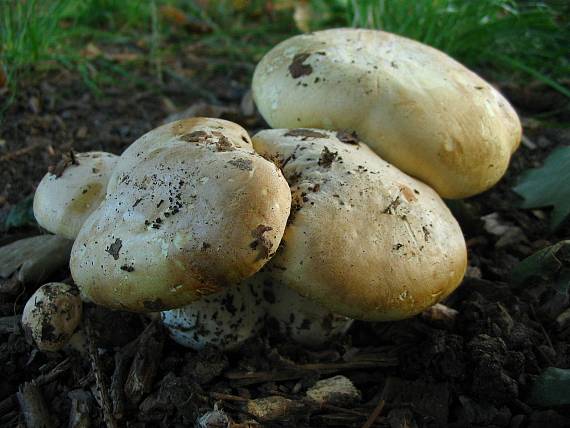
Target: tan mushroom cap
{"type": "Point", "coordinates": [51, 315]}
{"type": "Point", "coordinates": [364, 239]}
{"type": "Point", "coordinates": [68, 194]}
{"type": "Point", "coordinates": [190, 208]}
{"type": "Point", "coordinates": [413, 105]}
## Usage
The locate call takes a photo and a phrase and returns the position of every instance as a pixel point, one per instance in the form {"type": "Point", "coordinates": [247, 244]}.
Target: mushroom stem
{"type": "Point", "coordinates": [224, 320]}
{"type": "Point", "coordinates": [302, 319]}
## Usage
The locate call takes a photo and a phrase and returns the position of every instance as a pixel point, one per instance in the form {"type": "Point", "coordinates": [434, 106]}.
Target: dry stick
{"type": "Point", "coordinates": [17, 153]}
{"type": "Point", "coordinates": [117, 392]}
{"type": "Point", "coordinates": [228, 397]}
{"type": "Point", "coordinates": [96, 364]}
{"type": "Point", "coordinates": [298, 371]}
{"type": "Point", "coordinates": [58, 370]}
{"type": "Point", "coordinates": [379, 407]}
{"type": "Point", "coordinates": [374, 415]}
{"type": "Point", "coordinates": [34, 408]}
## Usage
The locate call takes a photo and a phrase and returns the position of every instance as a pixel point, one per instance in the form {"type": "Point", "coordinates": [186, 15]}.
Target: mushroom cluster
{"type": "Point", "coordinates": [335, 215]}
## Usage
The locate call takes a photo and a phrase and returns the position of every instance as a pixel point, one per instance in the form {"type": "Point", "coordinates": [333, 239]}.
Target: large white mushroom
{"type": "Point", "coordinates": [72, 190]}
{"type": "Point", "coordinates": [364, 240]}
{"type": "Point", "coordinates": [416, 107]}
{"type": "Point", "coordinates": [190, 208]}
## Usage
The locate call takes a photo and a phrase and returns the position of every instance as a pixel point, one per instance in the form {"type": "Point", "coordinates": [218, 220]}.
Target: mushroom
{"type": "Point", "coordinates": [190, 208]}
{"type": "Point", "coordinates": [364, 240]}
{"type": "Point", "coordinates": [416, 107]}
{"type": "Point", "coordinates": [71, 191]}
{"type": "Point", "coordinates": [52, 315]}
{"type": "Point", "coordinates": [223, 320]}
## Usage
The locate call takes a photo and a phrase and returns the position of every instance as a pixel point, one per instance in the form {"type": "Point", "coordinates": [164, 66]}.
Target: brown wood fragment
{"type": "Point", "coordinates": [122, 360]}
{"type": "Point", "coordinates": [145, 363]}
{"type": "Point", "coordinates": [34, 408]}
{"type": "Point", "coordinates": [99, 376]}
{"type": "Point", "coordinates": [379, 407]}
{"type": "Point", "coordinates": [374, 415]}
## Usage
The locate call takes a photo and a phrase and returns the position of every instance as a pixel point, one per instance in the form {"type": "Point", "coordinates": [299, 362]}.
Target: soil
{"type": "Point", "coordinates": [474, 369]}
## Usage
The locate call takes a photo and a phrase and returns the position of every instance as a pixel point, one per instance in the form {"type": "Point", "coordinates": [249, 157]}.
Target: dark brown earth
{"type": "Point", "coordinates": [475, 370]}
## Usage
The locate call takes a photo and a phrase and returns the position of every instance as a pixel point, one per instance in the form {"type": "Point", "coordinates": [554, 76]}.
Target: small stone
{"type": "Point", "coordinates": [337, 390]}
{"type": "Point", "coordinates": [213, 419]}
{"type": "Point", "coordinates": [273, 408]}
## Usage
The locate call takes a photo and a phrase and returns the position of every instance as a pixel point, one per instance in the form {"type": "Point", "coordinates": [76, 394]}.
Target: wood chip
{"type": "Point", "coordinates": [36, 258]}
{"type": "Point", "coordinates": [34, 408]}
{"type": "Point", "coordinates": [145, 363]}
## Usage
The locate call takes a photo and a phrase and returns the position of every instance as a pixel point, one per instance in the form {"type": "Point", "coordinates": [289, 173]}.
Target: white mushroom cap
{"type": "Point", "coordinates": [224, 320]}
{"type": "Point", "coordinates": [300, 318]}
{"type": "Point", "coordinates": [51, 315]}
{"type": "Point", "coordinates": [68, 194]}
{"type": "Point", "coordinates": [189, 209]}
{"type": "Point", "coordinates": [364, 239]}
{"type": "Point", "coordinates": [416, 107]}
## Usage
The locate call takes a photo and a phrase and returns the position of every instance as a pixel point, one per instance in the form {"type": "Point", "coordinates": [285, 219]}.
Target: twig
{"type": "Point", "coordinates": [20, 152]}
{"type": "Point", "coordinates": [299, 371]}
{"type": "Point", "coordinates": [379, 407]}
{"type": "Point", "coordinates": [97, 369]}
{"type": "Point", "coordinates": [228, 397]}
{"type": "Point", "coordinates": [375, 413]}
{"type": "Point", "coordinates": [58, 370]}
{"type": "Point", "coordinates": [117, 392]}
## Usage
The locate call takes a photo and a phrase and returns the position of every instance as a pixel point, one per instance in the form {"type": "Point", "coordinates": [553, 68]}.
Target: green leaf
{"type": "Point", "coordinates": [549, 186]}
{"type": "Point", "coordinates": [551, 388]}
{"type": "Point", "coordinates": [551, 264]}
{"type": "Point", "coordinates": [21, 214]}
